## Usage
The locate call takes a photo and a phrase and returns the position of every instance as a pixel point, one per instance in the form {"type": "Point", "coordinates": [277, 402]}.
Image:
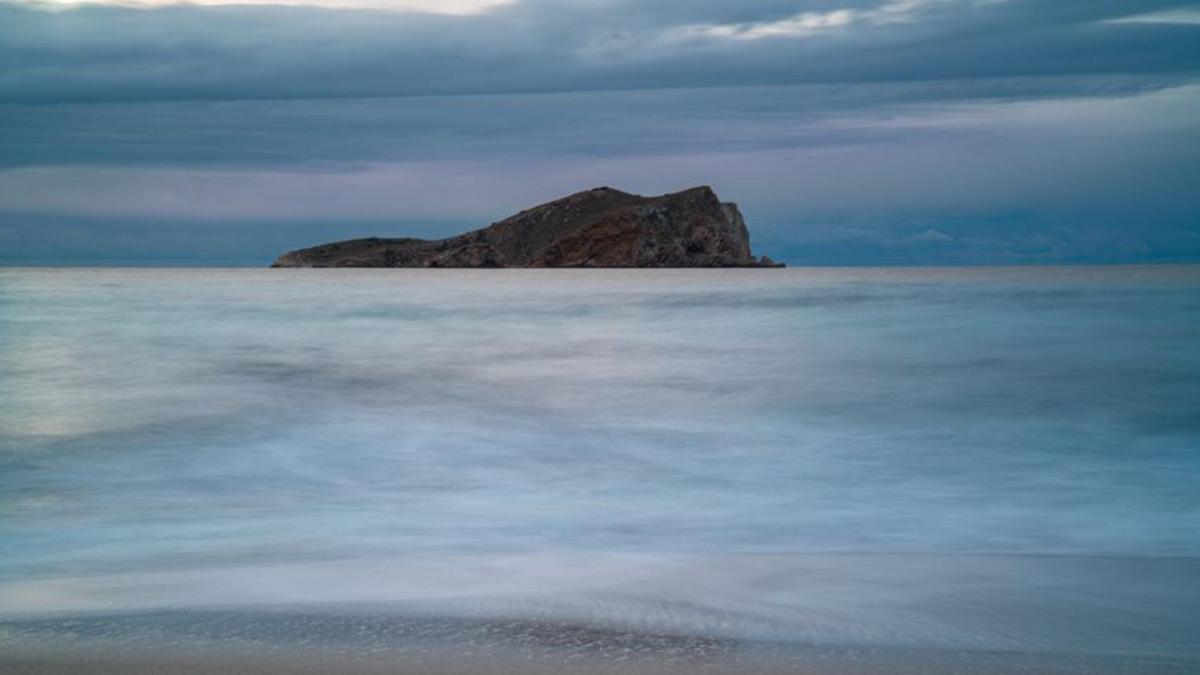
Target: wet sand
{"type": "Point", "coordinates": [875, 662]}
{"type": "Point", "coordinates": [203, 643]}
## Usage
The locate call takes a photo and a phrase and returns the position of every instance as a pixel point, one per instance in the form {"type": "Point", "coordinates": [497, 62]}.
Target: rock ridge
{"type": "Point", "coordinates": [601, 227]}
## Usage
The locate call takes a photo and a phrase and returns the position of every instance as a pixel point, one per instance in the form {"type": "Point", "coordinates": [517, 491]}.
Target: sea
{"type": "Point", "coordinates": [815, 469]}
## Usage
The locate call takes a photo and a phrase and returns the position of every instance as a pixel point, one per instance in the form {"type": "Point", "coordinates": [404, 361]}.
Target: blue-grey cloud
{"type": "Point", "coordinates": [186, 52]}
{"type": "Point", "coordinates": [899, 131]}
{"type": "Point", "coordinates": [314, 133]}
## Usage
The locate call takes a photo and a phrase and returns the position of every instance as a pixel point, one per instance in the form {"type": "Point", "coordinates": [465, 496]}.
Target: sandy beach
{"type": "Point", "coordinates": [338, 641]}
{"type": "Point", "coordinates": [873, 662]}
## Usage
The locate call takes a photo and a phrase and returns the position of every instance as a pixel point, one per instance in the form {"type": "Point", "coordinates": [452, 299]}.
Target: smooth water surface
{"type": "Point", "coordinates": [1003, 458]}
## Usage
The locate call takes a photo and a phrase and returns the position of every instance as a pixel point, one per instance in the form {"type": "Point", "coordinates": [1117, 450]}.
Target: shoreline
{"type": "Point", "coordinates": [99, 660]}
{"type": "Point", "coordinates": [333, 641]}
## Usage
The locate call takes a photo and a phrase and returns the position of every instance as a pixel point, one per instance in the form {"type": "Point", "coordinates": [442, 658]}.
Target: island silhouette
{"type": "Point", "coordinates": [601, 227]}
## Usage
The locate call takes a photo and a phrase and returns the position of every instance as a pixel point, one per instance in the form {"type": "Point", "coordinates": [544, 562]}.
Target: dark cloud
{"type": "Point", "coordinates": [317, 132]}
{"type": "Point", "coordinates": [100, 53]}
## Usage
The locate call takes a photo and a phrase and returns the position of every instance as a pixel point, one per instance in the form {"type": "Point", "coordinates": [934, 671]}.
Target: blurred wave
{"type": "Point", "coordinates": [712, 451]}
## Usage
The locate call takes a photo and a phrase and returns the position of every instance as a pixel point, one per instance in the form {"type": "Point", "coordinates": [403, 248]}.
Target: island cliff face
{"type": "Point", "coordinates": [601, 227]}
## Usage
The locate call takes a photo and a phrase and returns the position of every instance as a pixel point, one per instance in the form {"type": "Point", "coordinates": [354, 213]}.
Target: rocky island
{"type": "Point", "coordinates": [601, 227]}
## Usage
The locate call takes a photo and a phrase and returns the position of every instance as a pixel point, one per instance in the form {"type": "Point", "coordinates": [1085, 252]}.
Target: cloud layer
{"type": "Point", "coordinates": [852, 131]}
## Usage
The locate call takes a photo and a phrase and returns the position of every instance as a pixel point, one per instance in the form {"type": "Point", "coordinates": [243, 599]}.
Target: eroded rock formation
{"type": "Point", "coordinates": [601, 227]}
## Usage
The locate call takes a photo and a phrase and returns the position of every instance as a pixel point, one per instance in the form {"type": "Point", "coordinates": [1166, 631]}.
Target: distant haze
{"type": "Point", "coordinates": [849, 131]}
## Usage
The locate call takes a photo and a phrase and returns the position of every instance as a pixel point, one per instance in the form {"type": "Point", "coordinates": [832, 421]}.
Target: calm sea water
{"type": "Point", "coordinates": [992, 459]}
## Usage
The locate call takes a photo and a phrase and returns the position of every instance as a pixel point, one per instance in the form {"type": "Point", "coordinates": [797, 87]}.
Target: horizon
{"type": "Point", "coordinates": [188, 264]}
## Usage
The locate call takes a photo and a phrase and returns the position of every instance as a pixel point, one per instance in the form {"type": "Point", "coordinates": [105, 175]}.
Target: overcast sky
{"type": "Point", "coordinates": [849, 131]}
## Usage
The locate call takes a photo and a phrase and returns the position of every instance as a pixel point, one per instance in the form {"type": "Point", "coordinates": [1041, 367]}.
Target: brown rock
{"type": "Point", "coordinates": [601, 227]}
